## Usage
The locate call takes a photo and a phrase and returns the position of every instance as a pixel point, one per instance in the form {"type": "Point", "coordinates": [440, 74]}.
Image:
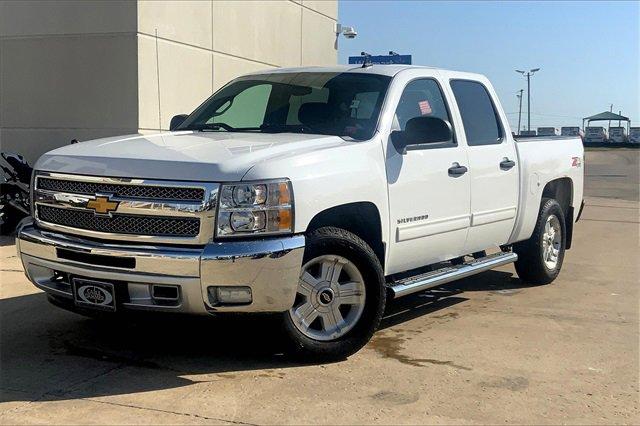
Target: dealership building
{"type": "Point", "coordinates": [90, 69]}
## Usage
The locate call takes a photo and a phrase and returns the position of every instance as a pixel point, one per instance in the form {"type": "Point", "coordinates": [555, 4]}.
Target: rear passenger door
{"type": "Point", "coordinates": [493, 166]}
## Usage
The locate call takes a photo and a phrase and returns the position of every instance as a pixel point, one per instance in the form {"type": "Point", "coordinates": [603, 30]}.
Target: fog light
{"type": "Point", "coordinates": [230, 295]}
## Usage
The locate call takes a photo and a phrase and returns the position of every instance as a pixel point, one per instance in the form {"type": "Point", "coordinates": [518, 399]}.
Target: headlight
{"type": "Point", "coordinates": [255, 208]}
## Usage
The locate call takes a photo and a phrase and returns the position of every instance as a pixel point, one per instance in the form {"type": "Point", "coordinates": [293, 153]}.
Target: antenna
{"type": "Point", "coordinates": [367, 60]}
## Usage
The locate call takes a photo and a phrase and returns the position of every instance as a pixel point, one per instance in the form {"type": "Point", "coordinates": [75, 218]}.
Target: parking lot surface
{"type": "Point", "coordinates": [486, 349]}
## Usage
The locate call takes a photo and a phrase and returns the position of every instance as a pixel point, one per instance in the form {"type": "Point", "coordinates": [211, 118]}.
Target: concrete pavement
{"type": "Point", "coordinates": [481, 350]}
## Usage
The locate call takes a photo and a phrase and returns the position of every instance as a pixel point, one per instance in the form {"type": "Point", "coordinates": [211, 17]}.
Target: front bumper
{"type": "Point", "coordinates": [270, 267]}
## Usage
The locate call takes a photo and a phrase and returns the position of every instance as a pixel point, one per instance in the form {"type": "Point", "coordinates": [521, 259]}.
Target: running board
{"type": "Point", "coordinates": [435, 278]}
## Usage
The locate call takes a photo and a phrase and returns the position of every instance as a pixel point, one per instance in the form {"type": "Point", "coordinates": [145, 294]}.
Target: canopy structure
{"type": "Point", "coordinates": [607, 116]}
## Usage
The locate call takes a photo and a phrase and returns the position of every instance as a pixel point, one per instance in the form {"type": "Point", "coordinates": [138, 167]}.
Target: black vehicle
{"type": "Point", "coordinates": [14, 191]}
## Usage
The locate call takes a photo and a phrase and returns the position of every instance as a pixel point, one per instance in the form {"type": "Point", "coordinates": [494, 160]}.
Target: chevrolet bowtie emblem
{"type": "Point", "coordinates": [102, 205]}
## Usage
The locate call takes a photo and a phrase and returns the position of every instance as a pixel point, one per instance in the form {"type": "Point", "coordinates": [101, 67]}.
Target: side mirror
{"type": "Point", "coordinates": [422, 130]}
{"type": "Point", "coordinates": [177, 120]}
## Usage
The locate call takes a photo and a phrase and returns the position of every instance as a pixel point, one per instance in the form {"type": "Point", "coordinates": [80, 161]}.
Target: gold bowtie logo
{"type": "Point", "coordinates": [102, 205]}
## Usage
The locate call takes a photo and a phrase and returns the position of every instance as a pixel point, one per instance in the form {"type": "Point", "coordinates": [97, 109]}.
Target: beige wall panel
{"type": "Point", "coordinates": [184, 21]}
{"type": "Point", "coordinates": [326, 7]}
{"type": "Point", "coordinates": [318, 39]}
{"type": "Point", "coordinates": [148, 117]}
{"type": "Point", "coordinates": [32, 143]}
{"type": "Point", "coordinates": [226, 68]}
{"type": "Point", "coordinates": [266, 31]}
{"type": "Point", "coordinates": [19, 18]}
{"type": "Point", "coordinates": [69, 82]}
{"type": "Point", "coordinates": [185, 79]}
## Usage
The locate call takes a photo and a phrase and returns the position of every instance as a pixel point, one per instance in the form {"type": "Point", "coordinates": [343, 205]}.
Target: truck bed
{"type": "Point", "coordinates": [543, 159]}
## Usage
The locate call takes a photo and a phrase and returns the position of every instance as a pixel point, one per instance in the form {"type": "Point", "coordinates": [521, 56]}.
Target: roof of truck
{"type": "Point", "coordinates": [389, 70]}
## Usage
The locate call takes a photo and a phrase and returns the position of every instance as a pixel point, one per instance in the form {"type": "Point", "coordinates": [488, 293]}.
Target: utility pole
{"type": "Point", "coordinates": [528, 76]}
{"type": "Point", "coordinates": [519, 95]}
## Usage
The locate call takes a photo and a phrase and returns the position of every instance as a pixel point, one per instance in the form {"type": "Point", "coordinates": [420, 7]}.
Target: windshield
{"type": "Point", "coordinates": [339, 104]}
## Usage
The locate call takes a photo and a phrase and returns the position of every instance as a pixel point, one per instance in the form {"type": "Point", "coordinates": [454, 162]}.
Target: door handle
{"type": "Point", "coordinates": [506, 164]}
{"type": "Point", "coordinates": [457, 170]}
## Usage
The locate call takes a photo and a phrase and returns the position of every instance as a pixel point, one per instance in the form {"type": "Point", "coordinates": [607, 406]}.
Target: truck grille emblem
{"type": "Point", "coordinates": [102, 205]}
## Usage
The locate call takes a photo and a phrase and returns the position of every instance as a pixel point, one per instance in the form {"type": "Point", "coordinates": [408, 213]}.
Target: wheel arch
{"type": "Point", "coordinates": [362, 218]}
{"type": "Point", "coordinates": [561, 190]}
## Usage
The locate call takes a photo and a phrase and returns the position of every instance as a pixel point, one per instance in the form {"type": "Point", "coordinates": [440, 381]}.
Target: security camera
{"type": "Point", "coordinates": [349, 32]}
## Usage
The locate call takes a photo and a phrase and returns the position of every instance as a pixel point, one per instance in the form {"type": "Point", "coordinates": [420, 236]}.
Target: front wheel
{"type": "Point", "coordinates": [540, 257]}
{"type": "Point", "coordinates": [340, 298]}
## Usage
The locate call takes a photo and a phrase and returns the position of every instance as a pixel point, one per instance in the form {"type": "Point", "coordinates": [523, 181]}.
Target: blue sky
{"type": "Point", "coordinates": [589, 51]}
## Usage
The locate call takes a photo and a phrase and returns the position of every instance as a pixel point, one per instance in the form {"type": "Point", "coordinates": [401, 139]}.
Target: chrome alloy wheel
{"type": "Point", "coordinates": [551, 242]}
{"type": "Point", "coordinates": [330, 298]}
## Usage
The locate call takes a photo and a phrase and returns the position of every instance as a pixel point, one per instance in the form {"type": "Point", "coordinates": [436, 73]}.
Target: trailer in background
{"type": "Point", "coordinates": [571, 131]}
{"type": "Point", "coordinates": [618, 135]}
{"type": "Point", "coordinates": [528, 133]}
{"type": "Point", "coordinates": [634, 135]}
{"type": "Point", "coordinates": [595, 134]}
{"type": "Point", "coordinates": [547, 131]}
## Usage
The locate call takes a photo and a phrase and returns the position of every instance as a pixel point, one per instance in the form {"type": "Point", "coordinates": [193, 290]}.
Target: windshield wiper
{"type": "Point", "coordinates": [287, 128]}
{"type": "Point", "coordinates": [210, 126]}
{"type": "Point", "coordinates": [218, 126]}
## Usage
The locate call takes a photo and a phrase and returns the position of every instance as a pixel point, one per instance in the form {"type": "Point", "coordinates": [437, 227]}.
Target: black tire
{"type": "Point", "coordinates": [530, 266]}
{"type": "Point", "coordinates": [336, 241]}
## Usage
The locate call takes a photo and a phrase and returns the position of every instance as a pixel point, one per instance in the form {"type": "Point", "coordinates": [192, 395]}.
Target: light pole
{"type": "Point", "coordinates": [519, 95]}
{"type": "Point", "coordinates": [528, 75]}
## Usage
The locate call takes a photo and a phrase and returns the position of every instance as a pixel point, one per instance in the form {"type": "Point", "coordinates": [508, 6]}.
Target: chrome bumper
{"type": "Point", "coordinates": [270, 267]}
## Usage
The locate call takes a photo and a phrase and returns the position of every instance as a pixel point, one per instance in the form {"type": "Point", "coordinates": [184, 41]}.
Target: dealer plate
{"type": "Point", "coordinates": [94, 294]}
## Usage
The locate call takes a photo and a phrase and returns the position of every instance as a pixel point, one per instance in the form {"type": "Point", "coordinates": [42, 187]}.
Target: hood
{"type": "Point", "coordinates": [186, 155]}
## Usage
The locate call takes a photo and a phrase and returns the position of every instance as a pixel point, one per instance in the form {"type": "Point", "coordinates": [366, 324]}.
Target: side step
{"type": "Point", "coordinates": [435, 278]}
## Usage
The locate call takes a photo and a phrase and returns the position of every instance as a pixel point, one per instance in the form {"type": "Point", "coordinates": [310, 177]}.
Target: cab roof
{"type": "Point", "coordinates": [388, 70]}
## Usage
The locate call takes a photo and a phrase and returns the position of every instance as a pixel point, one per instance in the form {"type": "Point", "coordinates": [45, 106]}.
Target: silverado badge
{"type": "Point", "coordinates": [102, 205]}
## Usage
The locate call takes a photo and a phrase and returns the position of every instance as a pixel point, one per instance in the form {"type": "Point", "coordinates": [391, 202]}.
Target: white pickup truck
{"type": "Point", "coordinates": [314, 193]}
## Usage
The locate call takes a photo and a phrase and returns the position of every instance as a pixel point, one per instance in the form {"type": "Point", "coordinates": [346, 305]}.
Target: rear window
{"type": "Point", "coordinates": [479, 116]}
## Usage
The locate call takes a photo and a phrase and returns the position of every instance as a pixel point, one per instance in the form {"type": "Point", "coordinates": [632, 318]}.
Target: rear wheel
{"type": "Point", "coordinates": [340, 298]}
{"type": "Point", "coordinates": [540, 257]}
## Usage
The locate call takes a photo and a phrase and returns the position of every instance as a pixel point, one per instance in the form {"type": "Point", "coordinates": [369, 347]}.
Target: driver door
{"type": "Point", "coordinates": [429, 204]}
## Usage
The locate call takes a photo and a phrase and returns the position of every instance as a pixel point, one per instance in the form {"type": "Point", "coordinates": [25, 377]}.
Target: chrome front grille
{"type": "Point", "coordinates": [131, 191]}
{"type": "Point", "coordinates": [122, 223]}
{"type": "Point", "coordinates": [139, 210]}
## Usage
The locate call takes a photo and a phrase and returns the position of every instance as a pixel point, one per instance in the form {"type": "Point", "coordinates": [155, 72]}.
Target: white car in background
{"type": "Point", "coordinates": [595, 134]}
{"type": "Point", "coordinates": [634, 135]}
{"type": "Point", "coordinates": [618, 135]}
{"type": "Point", "coordinates": [547, 131]}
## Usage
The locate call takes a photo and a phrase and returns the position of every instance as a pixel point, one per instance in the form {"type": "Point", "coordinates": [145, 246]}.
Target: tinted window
{"type": "Point", "coordinates": [479, 116]}
{"type": "Point", "coordinates": [420, 98]}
